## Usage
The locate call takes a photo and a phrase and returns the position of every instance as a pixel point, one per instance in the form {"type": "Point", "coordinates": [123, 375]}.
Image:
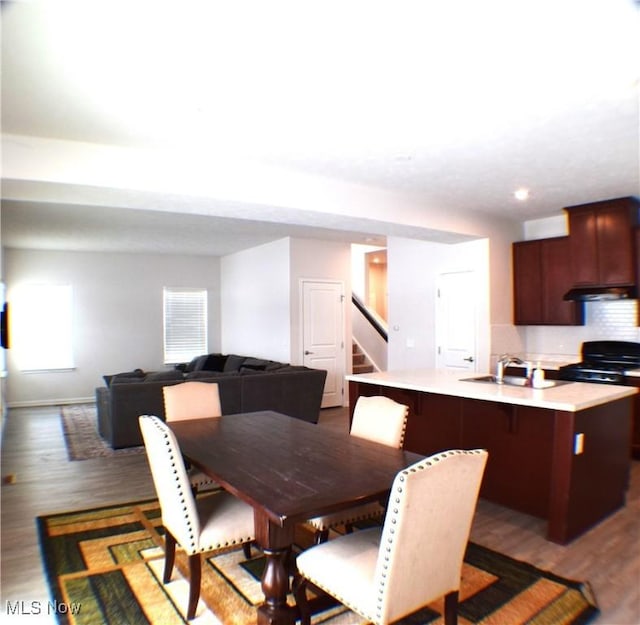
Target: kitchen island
{"type": "Point", "coordinates": [559, 453]}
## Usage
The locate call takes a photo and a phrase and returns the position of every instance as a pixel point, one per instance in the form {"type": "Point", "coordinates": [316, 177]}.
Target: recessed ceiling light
{"type": "Point", "coordinates": [521, 194]}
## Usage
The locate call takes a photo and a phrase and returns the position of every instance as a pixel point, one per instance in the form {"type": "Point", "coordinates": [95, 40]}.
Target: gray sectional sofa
{"type": "Point", "coordinates": [246, 384]}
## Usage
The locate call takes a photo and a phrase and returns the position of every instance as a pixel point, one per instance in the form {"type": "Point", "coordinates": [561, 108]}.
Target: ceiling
{"type": "Point", "coordinates": [452, 104]}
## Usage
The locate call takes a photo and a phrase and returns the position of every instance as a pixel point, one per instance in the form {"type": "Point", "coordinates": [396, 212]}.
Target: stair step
{"type": "Point", "coordinates": [359, 359]}
{"type": "Point", "coordinates": [360, 362]}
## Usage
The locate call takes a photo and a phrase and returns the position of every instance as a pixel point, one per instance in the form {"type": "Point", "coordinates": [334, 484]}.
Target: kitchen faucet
{"type": "Point", "coordinates": [503, 362]}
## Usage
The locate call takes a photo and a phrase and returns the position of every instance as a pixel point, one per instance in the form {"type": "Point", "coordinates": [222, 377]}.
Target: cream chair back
{"type": "Point", "coordinates": [426, 530]}
{"type": "Point", "coordinates": [380, 419]}
{"type": "Point", "coordinates": [191, 400]}
{"type": "Point", "coordinates": [177, 503]}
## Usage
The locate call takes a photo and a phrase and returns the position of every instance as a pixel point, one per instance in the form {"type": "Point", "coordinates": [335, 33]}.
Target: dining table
{"type": "Point", "coordinates": [289, 471]}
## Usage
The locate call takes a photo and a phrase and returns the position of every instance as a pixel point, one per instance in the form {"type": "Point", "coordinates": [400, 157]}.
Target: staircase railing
{"type": "Point", "coordinates": [378, 327]}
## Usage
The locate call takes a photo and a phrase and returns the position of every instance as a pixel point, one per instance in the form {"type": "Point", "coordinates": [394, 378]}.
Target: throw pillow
{"type": "Point", "coordinates": [234, 362]}
{"type": "Point", "coordinates": [196, 363]}
{"type": "Point", "coordinates": [214, 362]}
{"type": "Point", "coordinates": [256, 364]}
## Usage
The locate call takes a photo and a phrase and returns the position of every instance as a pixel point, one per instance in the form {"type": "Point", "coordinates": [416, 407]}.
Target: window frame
{"type": "Point", "coordinates": [179, 344]}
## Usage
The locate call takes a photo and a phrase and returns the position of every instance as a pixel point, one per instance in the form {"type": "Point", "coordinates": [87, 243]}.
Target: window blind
{"type": "Point", "coordinates": [185, 324]}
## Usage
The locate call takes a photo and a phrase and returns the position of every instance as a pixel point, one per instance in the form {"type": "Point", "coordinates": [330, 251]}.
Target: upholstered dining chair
{"type": "Point", "coordinates": [386, 573]}
{"type": "Point", "coordinates": [192, 400]}
{"type": "Point", "coordinates": [379, 419]}
{"type": "Point", "coordinates": [197, 525]}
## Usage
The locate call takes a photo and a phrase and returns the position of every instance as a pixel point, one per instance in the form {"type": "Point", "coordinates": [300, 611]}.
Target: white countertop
{"type": "Point", "coordinates": [571, 397]}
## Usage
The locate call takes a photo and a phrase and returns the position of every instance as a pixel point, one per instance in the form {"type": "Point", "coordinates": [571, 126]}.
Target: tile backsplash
{"type": "Point", "coordinates": [613, 320]}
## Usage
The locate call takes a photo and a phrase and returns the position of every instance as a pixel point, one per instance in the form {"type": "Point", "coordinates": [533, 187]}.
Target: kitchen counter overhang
{"type": "Point", "coordinates": [569, 397]}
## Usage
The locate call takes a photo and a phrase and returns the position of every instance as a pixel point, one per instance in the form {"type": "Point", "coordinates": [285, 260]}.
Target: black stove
{"type": "Point", "coordinates": [605, 362]}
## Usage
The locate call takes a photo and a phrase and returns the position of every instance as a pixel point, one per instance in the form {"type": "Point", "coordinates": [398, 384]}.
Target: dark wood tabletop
{"type": "Point", "coordinates": [289, 470]}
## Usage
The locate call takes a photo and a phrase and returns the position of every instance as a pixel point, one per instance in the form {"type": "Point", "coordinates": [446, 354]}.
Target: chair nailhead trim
{"type": "Point", "coordinates": [432, 461]}
{"type": "Point", "coordinates": [173, 463]}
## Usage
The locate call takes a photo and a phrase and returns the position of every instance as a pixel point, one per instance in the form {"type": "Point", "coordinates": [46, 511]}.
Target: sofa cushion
{"type": "Point", "coordinates": [209, 375]}
{"type": "Point", "coordinates": [214, 362]}
{"type": "Point", "coordinates": [275, 365]}
{"type": "Point", "coordinates": [124, 380]}
{"type": "Point", "coordinates": [164, 375]}
{"type": "Point", "coordinates": [136, 373]}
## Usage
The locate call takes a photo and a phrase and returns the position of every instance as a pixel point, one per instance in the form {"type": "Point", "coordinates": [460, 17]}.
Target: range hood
{"type": "Point", "coordinates": [600, 293]}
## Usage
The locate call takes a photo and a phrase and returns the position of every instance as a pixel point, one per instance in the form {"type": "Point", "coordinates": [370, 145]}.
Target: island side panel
{"type": "Point", "coordinates": [588, 486]}
{"type": "Point", "coordinates": [519, 440]}
{"type": "Point", "coordinates": [435, 425]}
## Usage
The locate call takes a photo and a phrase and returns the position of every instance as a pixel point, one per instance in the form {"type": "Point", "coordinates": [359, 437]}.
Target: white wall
{"type": "Point", "coordinates": [359, 268]}
{"type": "Point", "coordinates": [117, 308]}
{"type": "Point", "coordinates": [557, 226]}
{"type": "Point", "coordinates": [255, 302]}
{"type": "Point", "coordinates": [411, 274]}
{"type": "Point", "coordinates": [413, 269]}
{"type": "Point", "coordinates": [260, 294]}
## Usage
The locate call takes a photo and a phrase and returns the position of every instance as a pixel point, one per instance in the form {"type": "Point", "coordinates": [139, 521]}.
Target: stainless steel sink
{"type": "Point", "coordinates": [513, 380]}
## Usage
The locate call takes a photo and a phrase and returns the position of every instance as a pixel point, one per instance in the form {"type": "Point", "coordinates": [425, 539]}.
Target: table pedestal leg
{"type": "Point", "coordinates": [276, 542]}
{"type": "Point", "coordinates": [275, 586]}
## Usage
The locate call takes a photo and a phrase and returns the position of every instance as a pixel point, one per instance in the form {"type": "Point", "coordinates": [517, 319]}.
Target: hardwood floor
{"type": "Point", "coordinates": [33, 451]}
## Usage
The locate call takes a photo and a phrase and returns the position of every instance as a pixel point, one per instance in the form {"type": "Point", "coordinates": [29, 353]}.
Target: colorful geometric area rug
{"type": "Point", "coordinates": [105, 566]}
{"type": "Point", "coordinates": [80, 431]}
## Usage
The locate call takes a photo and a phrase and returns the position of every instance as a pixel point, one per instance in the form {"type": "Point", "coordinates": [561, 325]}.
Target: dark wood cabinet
{"type": "Point", "coordinates": [435, 425]}
{"type": "Point", "coordinates": [527, 283]}
{"type": "Point", "coordinates": [541, 277]}
{"type": "Point", "coordinates": [601, 240]}
{"type": "Point", "coordinates": [514, 476]}
{"type": "Point", "coordinates": [488, 425]}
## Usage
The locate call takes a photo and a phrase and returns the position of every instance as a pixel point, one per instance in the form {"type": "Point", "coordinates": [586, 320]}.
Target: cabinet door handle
{"type": "Point", "coordinates": [469, 359]}
{"type": "Point", "coordinates": [307, 352]}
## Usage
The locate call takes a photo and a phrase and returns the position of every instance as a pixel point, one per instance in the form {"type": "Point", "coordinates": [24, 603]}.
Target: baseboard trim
{"type": "Point", "coordinates": [41, 403]}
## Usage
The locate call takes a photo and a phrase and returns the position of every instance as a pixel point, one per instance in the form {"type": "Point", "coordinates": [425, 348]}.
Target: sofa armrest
{"type": "Point", "coordinates": [128, 402]}
{"type": "Point", "coordinates": [103, 407]}
{"type": "Point", "coordinates": [302, 393]}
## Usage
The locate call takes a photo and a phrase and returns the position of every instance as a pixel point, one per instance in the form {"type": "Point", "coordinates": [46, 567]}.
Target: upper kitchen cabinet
{"type": "Point", "coordinates": [541, 276]}
{"type": "Point", "coordinates": [601, 241]}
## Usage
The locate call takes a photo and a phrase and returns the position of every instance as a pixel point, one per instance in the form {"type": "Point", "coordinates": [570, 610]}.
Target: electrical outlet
{"type": "Point", "coordinates": [578, 444]}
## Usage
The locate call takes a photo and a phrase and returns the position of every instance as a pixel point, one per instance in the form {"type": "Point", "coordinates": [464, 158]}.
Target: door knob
{"type": "Point", "coordinates": [307, 352]}
{"type": "Point", "coordinates": [469, 359]}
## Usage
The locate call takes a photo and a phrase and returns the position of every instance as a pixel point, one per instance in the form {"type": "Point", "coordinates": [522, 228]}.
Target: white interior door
{"type": "Point", "coordinates": [457, 321]}
{"type": "Point", "coordinates": [323, 335]}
